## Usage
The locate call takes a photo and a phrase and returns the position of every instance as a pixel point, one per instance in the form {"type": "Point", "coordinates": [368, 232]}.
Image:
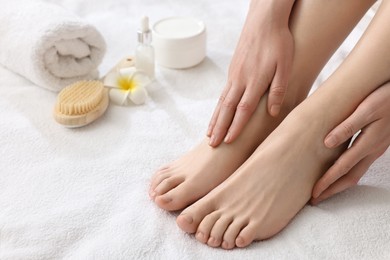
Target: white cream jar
{"type": "Point", "coordinates": [179, 42]}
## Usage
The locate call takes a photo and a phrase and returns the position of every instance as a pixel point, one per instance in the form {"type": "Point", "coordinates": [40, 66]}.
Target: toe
{"type": "Point", "coordinates": [164, 167]}
{"type": "Point", "coordinates": [218, 231]}
{"type": "Point", "coordinates": [175, 199]}
{"type": "Point", "coordinates": [157, 179]}
{"type": "Point", "coordinates": [167, 185]}
{"type": "Point", "coordinates": [191, 217]}
{"type": "Point", "coordinates": [165, 202]}
{"type": "Point", "coordinates": [179, 197]}
{"type": "Point", "coordinates": [205, 226]}
{"type": "Point", "coordinates": [186, 223]}
{"type": "Point", "coordinates": [229, 238]}
{"type": "Point", "coordinates": [246, 236]}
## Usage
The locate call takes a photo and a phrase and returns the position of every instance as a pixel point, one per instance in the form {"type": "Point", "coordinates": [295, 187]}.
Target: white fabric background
{"type": "Point", "coordinates": [82, 193]}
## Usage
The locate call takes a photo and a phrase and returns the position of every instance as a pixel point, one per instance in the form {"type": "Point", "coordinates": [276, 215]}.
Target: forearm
{"type": "Point", "coordinates": [264, 19]}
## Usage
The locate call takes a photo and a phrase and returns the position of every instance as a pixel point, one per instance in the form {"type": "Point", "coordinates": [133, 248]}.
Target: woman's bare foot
{"type": "Point", "coordinates": [189, 178]}
{"type": "Point", "coordinates": [193, 175]}
{"type": "Point", "coordinates": [266, 192]}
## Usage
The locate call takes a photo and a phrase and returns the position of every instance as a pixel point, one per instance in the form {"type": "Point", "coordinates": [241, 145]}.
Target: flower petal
{"type": "Point", "coordinates": [119, 96]}
{"type": "Point", "coordinates": [111, 80]}
{"type": "Point", "coordinates": [141, 78]}
{"type": "Point", "coordinates": [127, 72]}
{"type": "Point", "coordinates": [138, 95]}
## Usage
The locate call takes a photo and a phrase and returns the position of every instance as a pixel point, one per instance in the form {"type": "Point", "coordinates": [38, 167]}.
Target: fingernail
{"type": "Point", "coordinates": [209, 131]}
{"type": "Point", "coordinates": [320, 198]}
{"type": "Point", "coordinates": [331, 141]}
{"type": "Point", "coordinates": [212, 140]}
{"type": "Point", "coordinates": [317, 192]}
{"type": "Point", "coordinates": [153, 194]}
{"type": "Point", "coordinates": [227, 138]}
{"type": "Point", "coordinates": [275, 109]}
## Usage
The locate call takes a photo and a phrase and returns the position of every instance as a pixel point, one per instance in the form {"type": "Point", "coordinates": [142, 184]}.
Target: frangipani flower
{"type": "Point", "coordinates": [127, 84]}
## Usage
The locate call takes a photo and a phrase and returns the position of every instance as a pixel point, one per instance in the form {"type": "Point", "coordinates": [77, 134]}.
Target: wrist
{"type": "Point", "coordinates": [276, 12]}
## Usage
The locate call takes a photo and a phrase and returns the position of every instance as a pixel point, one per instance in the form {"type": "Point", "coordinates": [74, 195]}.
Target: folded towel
{"type": "Point", "coordinates": [47, 44]}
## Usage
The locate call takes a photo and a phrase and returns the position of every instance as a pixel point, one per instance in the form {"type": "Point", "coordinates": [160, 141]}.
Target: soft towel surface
{"type": "Point", "coordinates": [47, 44]}
{"type": "Point", "coordinates": [82, 193]}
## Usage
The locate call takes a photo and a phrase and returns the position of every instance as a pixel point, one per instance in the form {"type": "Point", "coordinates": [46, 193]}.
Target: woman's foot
{"type": "Point", "coordinates": [189, 178]}
{"type": "Point", "coordinates": [266, 192]}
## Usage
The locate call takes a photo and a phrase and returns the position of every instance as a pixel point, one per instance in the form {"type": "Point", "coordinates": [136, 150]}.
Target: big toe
{"type": "Point", "coordinates": [186, 223]}
{"type": "Point", "coordinates": [190, 218]}
{"type": "Point", "coordinates": [179, 196]}
{"type": "Point", "coordinates": [167, 185]}
{"type": "Point", "coordinates": [175, 199]}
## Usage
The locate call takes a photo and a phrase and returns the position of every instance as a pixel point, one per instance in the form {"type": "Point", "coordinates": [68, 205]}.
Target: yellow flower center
{"type": "Point", "coordinates": [127, 83]}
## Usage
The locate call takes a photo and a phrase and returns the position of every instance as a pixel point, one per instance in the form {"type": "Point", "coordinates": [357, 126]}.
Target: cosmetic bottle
{"type": "Point", "coordinates": [144, 54]}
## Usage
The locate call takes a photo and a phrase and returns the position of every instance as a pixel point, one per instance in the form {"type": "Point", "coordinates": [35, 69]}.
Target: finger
{"type": "Point", "coordinates": [360, 149]}
{"type": "Point", "coordinates": [278, 89]}
{"type": "Point", "coordinates": [348, 180]}
{"type": "Point", "coordinates": [226, 114]}
{"type": "Point", "coordinates": [370, 139]}
{"type": "Point", "coordinates": [347, 128]}
{"type": "Point", "coordinates": [214, 118]}
{"type": "Point", "coordinates": [245, 109]}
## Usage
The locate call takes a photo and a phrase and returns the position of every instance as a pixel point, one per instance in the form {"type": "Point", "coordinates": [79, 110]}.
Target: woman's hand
{"type": "Point", "coordinates": [262, 60]}
{"type": "Point", "coordinates": [373, 118]}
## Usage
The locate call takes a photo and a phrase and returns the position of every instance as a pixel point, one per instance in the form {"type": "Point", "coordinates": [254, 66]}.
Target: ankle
{"type": "Point", "coordinates": [292, 100]}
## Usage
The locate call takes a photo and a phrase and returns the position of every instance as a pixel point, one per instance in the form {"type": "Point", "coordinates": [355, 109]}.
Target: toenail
{"type": "Point", "coordinates": [225, 244]}
{"type": "Point", "coordinates": [200, 236]}
{"type": "Point", "coordinates": [240, 241]}
{"type": "Point", "coordinates": [212, 241]}
{"type": "Point", "coordinates": [188, 219]}
{"type": "Point", "coordinates": [165, 199]}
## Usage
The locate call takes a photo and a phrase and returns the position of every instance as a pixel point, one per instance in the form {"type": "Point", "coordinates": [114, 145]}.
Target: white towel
{"type": "Point", "coordinates": [47, 44]}
{"type": "Point", "coordinates": [81, 194]}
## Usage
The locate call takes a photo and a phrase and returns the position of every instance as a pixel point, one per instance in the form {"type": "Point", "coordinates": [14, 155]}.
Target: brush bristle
{"type": "Point", "coordinates": [80, 97]}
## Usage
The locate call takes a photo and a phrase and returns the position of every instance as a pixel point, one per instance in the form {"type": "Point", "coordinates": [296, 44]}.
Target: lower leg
{"type": "Point", "coordinates": [365, 69]}
{"type": "Point", "coordinates": [202, 169]}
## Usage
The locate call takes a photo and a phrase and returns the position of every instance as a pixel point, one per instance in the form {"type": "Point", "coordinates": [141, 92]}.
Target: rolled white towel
{"type": "Point", "coordinates": [47, 44]}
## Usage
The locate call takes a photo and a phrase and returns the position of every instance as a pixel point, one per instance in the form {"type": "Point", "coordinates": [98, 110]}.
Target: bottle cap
{"type": "Point", "coordinates": [144, 33]}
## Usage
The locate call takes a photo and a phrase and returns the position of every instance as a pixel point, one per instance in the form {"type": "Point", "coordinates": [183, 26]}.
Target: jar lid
{"type": "Point", "coordinates": [178, 28]}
